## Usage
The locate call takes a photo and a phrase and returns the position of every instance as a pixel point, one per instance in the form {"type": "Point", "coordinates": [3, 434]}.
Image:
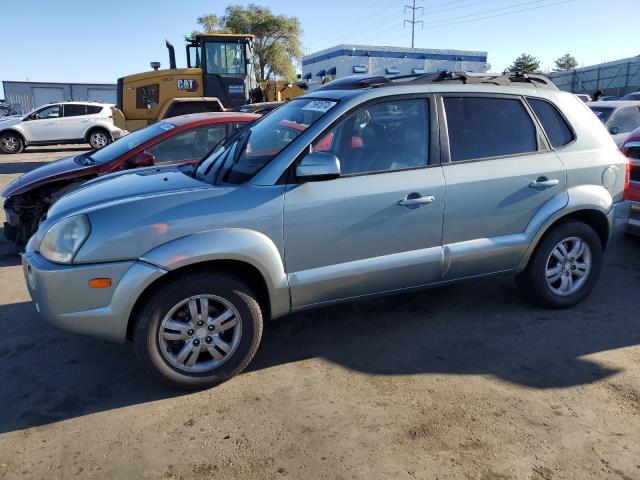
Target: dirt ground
{"type": "Point", "coordinates": [459, 382]}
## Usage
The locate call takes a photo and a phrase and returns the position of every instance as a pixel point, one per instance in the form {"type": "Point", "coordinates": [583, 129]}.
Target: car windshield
{"type": "Point", "coordinates": [603, 113]}
{"type": "Point", "coordinates": [128, 142]}
{"type": "Point", "coordinates": [254, 147]}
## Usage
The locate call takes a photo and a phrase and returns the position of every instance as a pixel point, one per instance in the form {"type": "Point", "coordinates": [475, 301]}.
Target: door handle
{"type": "Point", "coordinates": [415, 199]}
{"type": "Point", "coordinates": [544, 182]}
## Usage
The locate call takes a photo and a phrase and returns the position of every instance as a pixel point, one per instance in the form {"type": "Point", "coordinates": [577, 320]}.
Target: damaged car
{"type": "Point", "coordinates": [184, 139]}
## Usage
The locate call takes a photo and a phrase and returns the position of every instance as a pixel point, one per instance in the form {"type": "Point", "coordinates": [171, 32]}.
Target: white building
{"type": "Point", "coordinates": [344, 60]}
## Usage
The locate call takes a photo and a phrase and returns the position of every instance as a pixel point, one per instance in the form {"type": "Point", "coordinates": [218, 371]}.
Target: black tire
{"type": "Point", "coordinates": [533, 281]}
{"type": "Point", "coordinates": [11, 143]}
{"type": "Point", "coordinates": [99, 138]}
{"type": "Point", "coordinates": [161, 302]}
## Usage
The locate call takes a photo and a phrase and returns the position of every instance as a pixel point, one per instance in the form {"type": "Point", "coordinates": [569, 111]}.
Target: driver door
{"type": "Point", "coordinates": [43, 125]}
{"type": "Point", "coordinates": [357, 234]}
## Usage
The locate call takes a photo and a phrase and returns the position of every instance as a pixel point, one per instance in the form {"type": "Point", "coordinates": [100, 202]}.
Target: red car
{"type": "Point", "coordinates": [631, 148]}
{"type": "Point", "coordinates": [177, 140]}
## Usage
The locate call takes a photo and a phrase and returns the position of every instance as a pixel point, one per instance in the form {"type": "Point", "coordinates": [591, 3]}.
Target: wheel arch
{"type": "Point", "coordinates": [17, 132]}
{"type": "Point", "coordinates": [93, 128]}
{"type": "Point", "coordinates": [244, 271]}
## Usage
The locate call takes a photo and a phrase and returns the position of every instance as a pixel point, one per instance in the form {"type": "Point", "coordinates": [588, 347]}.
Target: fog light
{"type": "Point", "coordinates": [100, 283]}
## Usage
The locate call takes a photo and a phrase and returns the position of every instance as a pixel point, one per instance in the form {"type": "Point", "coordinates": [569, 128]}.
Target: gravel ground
{"type": "Point", "coordinates": [466, 381]}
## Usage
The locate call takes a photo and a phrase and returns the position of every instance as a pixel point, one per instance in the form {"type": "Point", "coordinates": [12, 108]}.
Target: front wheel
{"type": "Point", "coordinates": [11, 143]}
{"type": "Point", "coordinates": [99, 138]}
{"type": "Point", "coordinates": [199, 330]}
{"type": "Point", "coordinates": [565, 266]}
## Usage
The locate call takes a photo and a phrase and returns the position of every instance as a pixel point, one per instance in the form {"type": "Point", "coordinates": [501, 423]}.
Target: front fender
{"type": "Point", "coordinates": [248, 246]}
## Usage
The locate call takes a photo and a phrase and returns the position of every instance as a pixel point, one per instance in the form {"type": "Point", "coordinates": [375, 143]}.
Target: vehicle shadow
{"type": "Point", "coordinates": [56, 149]}
{"type": "Point", "coordinates": [474, 328]}
{"type": "Point", "coordinates": [19, 167]}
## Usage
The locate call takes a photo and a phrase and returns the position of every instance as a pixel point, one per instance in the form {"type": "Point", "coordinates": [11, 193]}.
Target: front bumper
{"type": "Point", "coordinates": [634, 219]}
{"type": "Point", "coordinates": [117, 134]}
{"type": "Point", "coordinates": [63, 297]}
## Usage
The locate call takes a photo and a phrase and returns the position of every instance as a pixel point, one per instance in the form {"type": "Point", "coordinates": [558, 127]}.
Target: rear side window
{"type": "Point", "coordinates": [91, 109]}
{"type": "Point", "coordinates": [483, 127]}
{"type": "Point", "coordinates": [553, 122]}
{"type": "Point", "coordinates": [74, 110]}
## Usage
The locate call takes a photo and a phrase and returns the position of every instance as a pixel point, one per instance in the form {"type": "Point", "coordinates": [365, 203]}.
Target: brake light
{"type": "Point", "coordinates": [627, 178]}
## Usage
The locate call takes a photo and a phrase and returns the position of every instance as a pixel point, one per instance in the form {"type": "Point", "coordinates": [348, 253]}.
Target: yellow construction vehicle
{"type": "Point", "coordinates": [220, 76]}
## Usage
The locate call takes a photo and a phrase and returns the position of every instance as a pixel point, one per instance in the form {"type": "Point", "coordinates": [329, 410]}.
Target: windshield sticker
{"type": "Point", "coordinates": [167, 126]}
{"type": "Point", "coordinates": [319, 105]}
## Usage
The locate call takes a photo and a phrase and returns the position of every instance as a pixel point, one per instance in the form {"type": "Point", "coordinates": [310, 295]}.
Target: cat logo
{"type": "Point", "coordinates": [188, 84]}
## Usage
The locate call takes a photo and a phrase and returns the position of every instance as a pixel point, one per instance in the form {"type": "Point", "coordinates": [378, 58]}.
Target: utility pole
{"type": "Point", "coordinates": [413, 20]}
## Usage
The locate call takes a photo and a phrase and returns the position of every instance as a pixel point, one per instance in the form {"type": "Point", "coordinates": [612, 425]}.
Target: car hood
{"type": "Point", "coordinates": [64, 168]}
{"type": "Point", "coordinates": [123, 187]}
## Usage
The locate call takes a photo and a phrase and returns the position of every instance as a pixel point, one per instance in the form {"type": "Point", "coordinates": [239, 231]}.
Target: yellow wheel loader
{"type": "Point", "coordinates": [220, 76]}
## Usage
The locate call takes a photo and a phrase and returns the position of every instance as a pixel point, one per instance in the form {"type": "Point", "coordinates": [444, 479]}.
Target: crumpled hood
{"type": "Point", "coordinates": [122, 187]}
{"type": "Point", "coordinates": [63, 168]}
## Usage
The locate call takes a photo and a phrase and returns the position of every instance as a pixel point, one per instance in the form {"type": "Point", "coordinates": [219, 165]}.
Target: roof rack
{"type": "Point", "coordinates": [355, 82]}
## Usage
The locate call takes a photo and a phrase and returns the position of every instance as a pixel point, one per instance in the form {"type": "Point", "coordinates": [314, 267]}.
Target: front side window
{"type": "Point", "coordinates": [225, 58]}
{"type": "Point", "coordinates": [387, 136]}
{"type": "Point", "coordinates": [147, 96]}
{"type": "Point", "coordinates": [553, 122]}
{"type": "Point", "coordinates": [485, 127]}
{"type": "Point", "coordinates": [49, 112]}
{"type": "Point", "coordinates": [74, 110]}
{"type": "Point", "coordinates": [255, 146]}
{"type": "Point", "coordinates": [627, 119]}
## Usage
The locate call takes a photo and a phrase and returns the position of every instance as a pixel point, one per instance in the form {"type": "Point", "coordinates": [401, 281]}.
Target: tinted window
{"type": "Point", "coordinates": [91, 109]}
{"type": "Point", "coordinates": [554, 124]}
{"type": "Point", "coordinates": [488, 127]}
{"type": "Point", "coordinates": [147, 96]}
{"type": "Point", "coordinates": [189, 145]}
{"type": "Point", "coordinates": [603, 113]}
{"type": "Point", "coordinates": [73, 110]}
{"type": "Point", "coordinates": [382, 137]}
{"type": "Point", "coordinates": [627, 119]}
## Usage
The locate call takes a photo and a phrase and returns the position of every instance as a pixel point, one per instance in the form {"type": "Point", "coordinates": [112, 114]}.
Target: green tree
{"type": "Point", "coordinates": [526, 64]}
{"type": "Point", "coordinates": [277, 37]}
{"type": "Point", "coordinates": [565, 62]}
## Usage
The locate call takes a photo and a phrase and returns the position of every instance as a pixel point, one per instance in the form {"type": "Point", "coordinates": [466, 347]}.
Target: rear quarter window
{"type": "Point", "coordinates": [556, 127]}
{"type": "Point", "coordinates": [92, 109]}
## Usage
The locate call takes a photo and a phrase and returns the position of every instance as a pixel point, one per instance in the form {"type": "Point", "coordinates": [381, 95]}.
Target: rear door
{"type": "Point", "coordinates": [500, 173]}
{"type": "Point", "coordinates": [74, 122]}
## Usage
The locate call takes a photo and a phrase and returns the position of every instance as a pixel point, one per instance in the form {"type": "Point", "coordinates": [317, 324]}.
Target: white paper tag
{"type": "Point", "coordinates": [319, 105]}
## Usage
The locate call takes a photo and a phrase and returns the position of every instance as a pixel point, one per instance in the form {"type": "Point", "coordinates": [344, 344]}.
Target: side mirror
{"type": "Point", "coordinates": [615, 130]}
{"type": "Point", "coordinates": [143, 159]}
{"type": "Point", "coordinates": [318, 166]}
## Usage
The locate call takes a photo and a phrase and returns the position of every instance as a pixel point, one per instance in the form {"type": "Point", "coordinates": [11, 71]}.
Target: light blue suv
{"type": "Point", "coordinates": [364, 187]}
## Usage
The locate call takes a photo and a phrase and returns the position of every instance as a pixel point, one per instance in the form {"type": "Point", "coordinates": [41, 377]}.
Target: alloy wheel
{"type": "Point", "coordinates": [200, 333]}
{"type": "Point", "coordinates": [568, 266]}
{"type": "Point", "coordinates": [9, 144]}
{"type": "Point", "coordinates": [98, 140]}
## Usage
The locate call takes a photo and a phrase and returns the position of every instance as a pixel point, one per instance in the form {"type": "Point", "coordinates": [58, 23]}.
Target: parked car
{"type": "Point", "coordinates": [620, 117]}
{"type": "Point", "coordinates": [631, 96]}
{"type": "Point", "coordinates": [187, 262]}
{"type": "Point", "coordinates": [184, 139]}
{"type": "Point", "coordinates": [59, 123]}
{"type": "Point", "coordinates": [261, 107]}
{"type": "Point", "coordinates": [631, 149]}
{"type": "Point", "coordinates": [608, 98]}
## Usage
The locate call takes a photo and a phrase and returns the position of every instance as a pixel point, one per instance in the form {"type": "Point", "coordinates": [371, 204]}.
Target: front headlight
{"type": "Point", "coordinates": [63, 240]}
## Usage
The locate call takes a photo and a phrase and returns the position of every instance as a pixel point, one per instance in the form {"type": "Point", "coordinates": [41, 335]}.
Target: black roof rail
{"type": "Point", "coordinates": [506, 79]}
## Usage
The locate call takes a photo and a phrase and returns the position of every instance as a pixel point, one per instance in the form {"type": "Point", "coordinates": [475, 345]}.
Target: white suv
{"type": "Point", "coordinates": [56, 123]}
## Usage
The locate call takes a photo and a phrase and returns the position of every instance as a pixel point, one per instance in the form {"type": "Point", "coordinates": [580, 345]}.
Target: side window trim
{"type": "Point", "coordinates": [542, 131]}
{"type": "Point", "coordinates": [445, 149]}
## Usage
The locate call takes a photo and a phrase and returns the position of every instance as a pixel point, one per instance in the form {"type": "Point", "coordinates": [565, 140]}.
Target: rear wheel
{"type": "Point", "coordinates": [11, 143]}
{"type": "Point", "coordinates": [565, 266]}
{"type": "Point", "coordinates": [99, 138]}
{"type": "Point", "coordinates": [199, 330]}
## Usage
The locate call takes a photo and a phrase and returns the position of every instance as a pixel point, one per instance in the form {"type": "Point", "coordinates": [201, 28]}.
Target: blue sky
{"type": "Point", "coordinates": [74, 40]}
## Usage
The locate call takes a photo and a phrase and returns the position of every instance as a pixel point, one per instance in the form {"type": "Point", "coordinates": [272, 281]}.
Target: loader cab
{"type": "Point", "coordinates": [228, 71]}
